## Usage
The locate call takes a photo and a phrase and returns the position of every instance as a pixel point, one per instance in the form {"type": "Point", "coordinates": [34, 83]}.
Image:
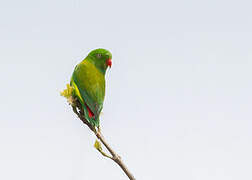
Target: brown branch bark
{"type": "Point", "coordinates": [115, 157]}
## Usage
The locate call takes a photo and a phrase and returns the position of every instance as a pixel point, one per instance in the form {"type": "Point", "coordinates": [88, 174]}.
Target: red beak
{"type": "Point", "coordinates": [109, 63]}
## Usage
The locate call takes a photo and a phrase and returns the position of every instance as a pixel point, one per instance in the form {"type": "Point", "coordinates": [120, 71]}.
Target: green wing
{"type": "Point", "coordinates": [89, 85]}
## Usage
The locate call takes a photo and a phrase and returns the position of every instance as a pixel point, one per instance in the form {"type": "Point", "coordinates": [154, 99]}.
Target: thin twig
{"type": "Point", "coordinates": [115, 157]}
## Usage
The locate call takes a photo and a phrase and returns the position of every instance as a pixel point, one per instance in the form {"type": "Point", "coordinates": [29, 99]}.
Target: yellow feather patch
{"type": "Point", "coordinates": [77, 92]}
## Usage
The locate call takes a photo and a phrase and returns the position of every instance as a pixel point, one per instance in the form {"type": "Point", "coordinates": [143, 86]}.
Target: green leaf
{"type": "Point", "coordinates": [68, 94]}
{"type": "Point", "coordinates": [98, 146]}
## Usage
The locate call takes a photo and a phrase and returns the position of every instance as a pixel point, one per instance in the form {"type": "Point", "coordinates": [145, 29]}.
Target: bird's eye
{"type": "Point", "coordinates": [98, 56]}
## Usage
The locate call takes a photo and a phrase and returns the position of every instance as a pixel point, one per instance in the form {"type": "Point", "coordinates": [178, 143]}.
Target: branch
{"type": "Point", "coordinates": [114, 156]}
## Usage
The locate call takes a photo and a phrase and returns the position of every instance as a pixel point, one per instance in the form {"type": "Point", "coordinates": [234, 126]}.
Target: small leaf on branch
{"type": "Point", "coordinates": [68, 94]}
{"type": "Point", "coordinates": [98, 146]}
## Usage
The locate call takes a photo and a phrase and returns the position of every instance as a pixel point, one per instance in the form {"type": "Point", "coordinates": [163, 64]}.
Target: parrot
{"type": "Point", "coordinates": [88, 82]}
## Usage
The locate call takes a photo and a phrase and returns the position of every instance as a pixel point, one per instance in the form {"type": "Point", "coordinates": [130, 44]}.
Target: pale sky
{"type": "Point", "coordinates": [178, 98]}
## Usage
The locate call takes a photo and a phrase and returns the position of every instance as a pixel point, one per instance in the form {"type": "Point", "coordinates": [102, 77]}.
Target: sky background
{"type": "Point", "coordinates": [178, 98]}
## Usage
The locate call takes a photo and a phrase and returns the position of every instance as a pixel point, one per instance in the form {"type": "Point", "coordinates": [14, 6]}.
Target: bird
{"type": "Point", "coordinates": [88, 82]}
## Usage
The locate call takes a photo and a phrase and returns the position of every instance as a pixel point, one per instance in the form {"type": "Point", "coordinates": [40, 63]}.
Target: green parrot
{"type": "Point", "coordinates": [88, 82]}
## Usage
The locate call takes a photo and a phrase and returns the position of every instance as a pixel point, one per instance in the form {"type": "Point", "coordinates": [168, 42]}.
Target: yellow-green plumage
{"type": "Point", "coordinates": [88, 81]}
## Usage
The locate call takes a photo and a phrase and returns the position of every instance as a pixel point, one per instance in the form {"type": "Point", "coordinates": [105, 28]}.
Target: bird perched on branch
{"type": "Point", "coordinates": [88, 82]}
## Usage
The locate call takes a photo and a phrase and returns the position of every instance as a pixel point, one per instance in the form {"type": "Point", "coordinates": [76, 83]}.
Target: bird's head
{"type": "Point", "coordinates": [101, 58]}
